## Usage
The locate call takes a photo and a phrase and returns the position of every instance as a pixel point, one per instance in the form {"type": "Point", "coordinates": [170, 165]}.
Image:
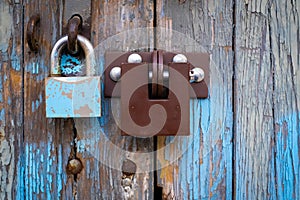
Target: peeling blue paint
{"type": "Point", "coordinates": [39, 172]}
{"type": "Point", "coordinates": [199, 176]}
{"type": "Point", "coordinates": [35, 68]}
{"type": "Point", "coordinates": [105, 103]}
{"type": "Point", "coordinates": [59, 175]}
{"type": "Point", "coordinates": [2, 116]}
{"type": "Point", "coordinates": [15, 63]}
{"type": "Point", "coordinates": [20, 179]}
{"type": "Point", "coordinates": [287, 156]}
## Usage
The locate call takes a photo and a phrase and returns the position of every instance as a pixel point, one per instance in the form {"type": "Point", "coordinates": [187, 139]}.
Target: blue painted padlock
{"type": "Point", "coordinates": [73, 96]}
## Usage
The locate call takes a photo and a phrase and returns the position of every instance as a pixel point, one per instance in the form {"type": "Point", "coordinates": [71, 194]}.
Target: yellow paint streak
{"type": "Point", "coordinates": [168, 170]}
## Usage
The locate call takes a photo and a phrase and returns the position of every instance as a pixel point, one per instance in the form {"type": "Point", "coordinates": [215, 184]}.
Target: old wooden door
{"type": "Point", "coordinates": [245, 138]}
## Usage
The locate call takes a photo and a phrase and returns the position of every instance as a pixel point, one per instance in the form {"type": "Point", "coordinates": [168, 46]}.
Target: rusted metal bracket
{"type": "Point", "coordinates": [157, 79]}
{"type": "Point", "coordinates": [113, 59]}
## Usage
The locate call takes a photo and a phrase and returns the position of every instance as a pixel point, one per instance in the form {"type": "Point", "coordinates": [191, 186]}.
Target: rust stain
{"type": "Point", "coordinates": [16, 80]}
{"type": "Point", "coordinates": [221, 17]}
{"type": "Point", "coordinates": [68, 95]}
{"type": "Point", "coordinates": [227, 49]}
{"type": "Point", "coordinates": [84, 110]}
{"type": "Point", "coordinates": [201, 161]}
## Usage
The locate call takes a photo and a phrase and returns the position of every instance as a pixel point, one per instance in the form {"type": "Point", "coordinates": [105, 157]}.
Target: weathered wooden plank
{"type": "Point", "coordinates": [100, 146]}
{"type": "Point", "coordinates": [47, 142]}
{"type": "Point", "coordinates": [205, 168]}
{"type": "Point", "coordinates": [11, 101]}
{"type": "Point", "coordinates": [267, 137]}
{"type": "Point", "coordinates": [285, 40]}
{"type": "Point", "coordinates": [254, 131]}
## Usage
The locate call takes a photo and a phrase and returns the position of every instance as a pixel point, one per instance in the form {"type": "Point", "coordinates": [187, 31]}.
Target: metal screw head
{"type": "Point", "coordinates": [196, 75]}
{"type": "Point", "coordinates": [74, 166]}
{"type": "Point", "coordinates": [134, 58]}
{"type": "Point", "coordinates": [115, 74]}
{"type": "Point", "coordinates": [180, 58]}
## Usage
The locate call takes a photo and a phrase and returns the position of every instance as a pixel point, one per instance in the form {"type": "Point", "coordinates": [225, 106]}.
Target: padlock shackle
{"type": "Point", "coordinates": [87, 47]}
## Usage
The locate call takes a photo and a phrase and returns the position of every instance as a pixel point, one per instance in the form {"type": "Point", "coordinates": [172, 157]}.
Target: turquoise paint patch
{"type": "Point", "coordinates": [20, 188]}
{"type": "Point", "coordinates": [287, 157]}
{"type": "Point", "coordinates": [71, 65]}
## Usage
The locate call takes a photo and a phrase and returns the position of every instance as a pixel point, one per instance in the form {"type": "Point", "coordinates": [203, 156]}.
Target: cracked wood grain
{"type": "Point", "coordinates": [205, 168]}
{"type": "Point", "coordinates": [267, 98]}
{"type": "Point", "coordinates": [100, 145]}
{"type": "Point", "coordinates": [11, 100]}
{"type": "Point", "coordinates": [47, 142]}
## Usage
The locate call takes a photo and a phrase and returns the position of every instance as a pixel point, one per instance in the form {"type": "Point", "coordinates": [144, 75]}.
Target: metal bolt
{"type": "Point", "coordinates": [196, 75]}
{"type": "Point", "coordinates": [180, 58]}
{"type": "Point", "coordinates": [115, 74]}
{"type": "Point", "coordinates": [128, 167]}
{"type": "Point", "coordinates": [74, 166]}
{"type": "Point", "coordinates": [134, 58]}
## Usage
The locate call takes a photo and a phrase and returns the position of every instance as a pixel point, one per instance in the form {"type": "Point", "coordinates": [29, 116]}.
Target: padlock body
{"type": "Point", "coordinates": [73, 97]}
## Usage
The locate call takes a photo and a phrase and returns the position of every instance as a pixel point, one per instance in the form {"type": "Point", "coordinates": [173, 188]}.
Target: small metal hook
{"type": "Point", "coordinates": [74, 25]}
{"type": "Point", "coordinates": [30, 32]}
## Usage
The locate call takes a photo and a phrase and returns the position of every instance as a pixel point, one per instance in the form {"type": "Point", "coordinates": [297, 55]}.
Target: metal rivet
{"type": "Point", "coordinates": [196, 75]}
{"type": "Point", "coordinates": [74, 166]}
{"type": "Point", "coordinates": [115, 74]}
{"type": "Point", "coordinates": [180, 58]}
{"type": "Point", "coordinates": [134, 58]}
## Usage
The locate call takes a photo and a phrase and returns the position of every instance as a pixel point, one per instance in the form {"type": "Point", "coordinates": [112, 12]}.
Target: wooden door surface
{"type": "Point", "coordinates": [245, 138]}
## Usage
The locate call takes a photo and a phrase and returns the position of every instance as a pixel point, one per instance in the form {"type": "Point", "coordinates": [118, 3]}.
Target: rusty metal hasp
{"type": "Point", "coordinates": [155, 90]}
{"type": "Point", "coordinates": [73, 96]}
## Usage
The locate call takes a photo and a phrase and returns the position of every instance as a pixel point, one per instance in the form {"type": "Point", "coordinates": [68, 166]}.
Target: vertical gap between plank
{"type": "Point", "coordinates": [22, 157]}
{"type": "Point", "coordinates": [273, 93]}
{"type": "Point", "coordinates": [234, 100]}
{"type": "Point", "coordinates": [157, 190]}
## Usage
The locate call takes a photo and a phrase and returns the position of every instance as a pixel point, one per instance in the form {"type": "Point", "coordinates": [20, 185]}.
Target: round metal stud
{"type": "Point", "coordinates": [115, 74]}
{"type": "Point", "coordinates": [134, 58]}
{"type": "Point", "coordinates": [196, 75]}
{"type": "Point", "coordinates": [180, 58]}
